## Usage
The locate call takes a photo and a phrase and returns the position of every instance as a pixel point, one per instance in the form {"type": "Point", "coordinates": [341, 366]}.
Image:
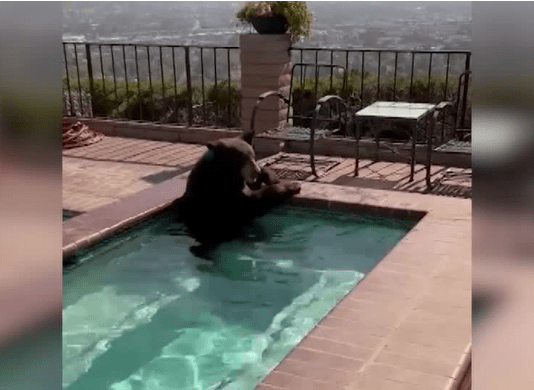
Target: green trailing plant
{"type": "Point", "coordinates": [421, 91]}
{"type": "Point", "coordinates": [224, 98]}
{"type": "Point", "coordinates": [299, 19]}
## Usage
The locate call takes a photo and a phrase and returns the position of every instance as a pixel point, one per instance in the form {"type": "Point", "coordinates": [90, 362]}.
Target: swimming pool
{"type": "Point", "coordinates": [142, 312]}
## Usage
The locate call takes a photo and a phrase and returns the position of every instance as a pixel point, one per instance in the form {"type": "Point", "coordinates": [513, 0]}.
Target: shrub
{"type": "Point", "coordinates": [299, 19]}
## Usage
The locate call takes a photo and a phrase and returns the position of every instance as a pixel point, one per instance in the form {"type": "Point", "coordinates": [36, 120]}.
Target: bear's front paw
{"type": "Point", "coordinates": [293, 187]}
{"type": "Point", "coordinates": [267, 176]}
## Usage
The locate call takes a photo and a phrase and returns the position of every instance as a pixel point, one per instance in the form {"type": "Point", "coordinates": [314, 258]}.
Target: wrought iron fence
{"type": "Point", "coordinates": [194, 85]}
{"type": "Point", "coordinates": [200, 85]}
{"type": "Point", "coordinates": [397, 75]}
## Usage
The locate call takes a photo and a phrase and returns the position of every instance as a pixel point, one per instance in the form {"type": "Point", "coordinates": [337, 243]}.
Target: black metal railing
{"type": "Point", "coordinates": [183, 84]}
{"type": "Point", "coordinates": [200, 85]}
{"type": "Point", "coordinates": [403, 75]}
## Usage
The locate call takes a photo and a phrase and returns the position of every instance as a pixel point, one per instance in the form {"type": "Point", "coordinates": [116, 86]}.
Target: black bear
{"type": "Point", "coordinates": [226, 190]}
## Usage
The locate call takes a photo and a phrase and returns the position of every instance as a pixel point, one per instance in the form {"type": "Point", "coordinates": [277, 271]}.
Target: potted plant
{"type": "Point", "coordinates": [278, 17]}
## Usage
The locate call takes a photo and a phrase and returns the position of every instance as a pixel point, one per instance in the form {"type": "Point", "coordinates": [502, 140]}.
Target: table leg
{"type": "Point", "coordinates": [358, 133]}
{"type": "Point", "coordinates": [377, 140]}
{"type": "Point", "coordinates": [312, 149]}
{"type": "Point", "coordinates": [430, 136]}
{"type": "Point", "coordinates": [412, 162]}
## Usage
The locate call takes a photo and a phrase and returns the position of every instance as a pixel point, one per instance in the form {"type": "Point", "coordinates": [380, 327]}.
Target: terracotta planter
{"type": "Point", "coordinates": [270, 24]}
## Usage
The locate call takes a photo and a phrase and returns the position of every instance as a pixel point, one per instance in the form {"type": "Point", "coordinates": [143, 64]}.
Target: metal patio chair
{"type": "Point", "coordinates": [462, 142]}
{"type": "Point", "coordinates": [438, 113]}
{"type": "Point", "coordinates": [305, 119]}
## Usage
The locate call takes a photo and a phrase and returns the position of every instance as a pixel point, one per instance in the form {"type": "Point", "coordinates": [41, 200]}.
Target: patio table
{"type": "Point", "coordinates": [378, 112]}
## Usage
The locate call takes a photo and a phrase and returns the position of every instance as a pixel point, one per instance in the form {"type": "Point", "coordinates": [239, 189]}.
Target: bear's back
{"type": "Point", "coordinates": [213, 175]}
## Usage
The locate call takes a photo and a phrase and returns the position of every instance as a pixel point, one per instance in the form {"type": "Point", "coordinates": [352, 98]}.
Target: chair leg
{"type": "Point", "coordinates": [377, 141]}
{"type": "Point", "coordinates": [358, 131]}
{"type": "Point", "coordinates": [430, 136]}
{"type": "Point", "coordinates": [412, 162]}
{"type": "Point", "coordinates": [312, 161]}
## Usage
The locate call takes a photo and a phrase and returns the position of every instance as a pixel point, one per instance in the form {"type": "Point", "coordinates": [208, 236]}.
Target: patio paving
{"type": "Point", "coordinates": [116, 167]}
{"type": "Point", "coordinates": [109, 170]}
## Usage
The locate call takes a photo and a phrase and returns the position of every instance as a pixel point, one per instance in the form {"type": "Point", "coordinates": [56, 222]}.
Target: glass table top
{"type": "Point", "coordinates": [401, 110]}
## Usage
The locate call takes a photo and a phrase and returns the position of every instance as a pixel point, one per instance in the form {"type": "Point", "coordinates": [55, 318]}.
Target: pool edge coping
{"type": "Point", "coordinates": [107, 220]}
{"type": "Point", "coordinates": [462, 373]}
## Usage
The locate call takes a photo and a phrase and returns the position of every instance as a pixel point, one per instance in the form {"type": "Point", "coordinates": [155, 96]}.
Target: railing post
{"type": "Point", "coordinates": [361, 79]}
{"type": "Point", "coordinates": [90, 74]}
{"type": "Point", "coordinates": [378, 78]}
{"type": "Point", "coordinates": [68, 79]}
{"type": "Point", "coordinates": [466, 86]}
{"type": "Point", "coordinates": [126, 82]}
{"type": "Point", "coordinates": [395, 77]}
{"type": "Point", "coordinates": [229, 90]}
{"type": "Point", "coordinates": [411, 77]}
{"type": "Point", "coordinates": [139, 97]}
{"type": "Point", "coordinates": [80, 96]}
{"type": "Point", "coordinates": [189, 89]}
{"type": "Point", "coordinates": [161, 70]}
{"type": "Point", "coordinates": [175, 92]}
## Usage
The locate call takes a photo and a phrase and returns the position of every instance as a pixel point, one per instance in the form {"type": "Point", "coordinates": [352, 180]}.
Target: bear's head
{"type": "Point", "coordinates": [236, 153]}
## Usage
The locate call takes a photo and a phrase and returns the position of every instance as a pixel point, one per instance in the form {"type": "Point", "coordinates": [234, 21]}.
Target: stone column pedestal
{"type": "Point", "coordinates": [265, 66]}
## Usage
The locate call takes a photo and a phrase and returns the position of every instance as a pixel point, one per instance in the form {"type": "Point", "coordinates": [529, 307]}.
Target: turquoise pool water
{"type": "Point", "coordinates": [142, 312]}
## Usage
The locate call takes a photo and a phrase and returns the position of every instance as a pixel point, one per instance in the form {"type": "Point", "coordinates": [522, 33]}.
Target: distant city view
{"type": "Point", "coordinates": [395, 25]}
{"type": "Point", "coordinates": [152, 66]}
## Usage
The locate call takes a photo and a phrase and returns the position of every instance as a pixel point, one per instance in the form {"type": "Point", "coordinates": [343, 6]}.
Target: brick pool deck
{"type": "Point", "coordinates": [405, 326]}
{"type": "Point", "coordinates": [116, 167]}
